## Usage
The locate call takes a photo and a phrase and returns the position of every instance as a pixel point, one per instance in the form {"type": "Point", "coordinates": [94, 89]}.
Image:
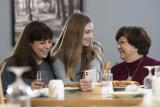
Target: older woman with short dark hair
{"type": "Point", "coordinates": [133, 44]}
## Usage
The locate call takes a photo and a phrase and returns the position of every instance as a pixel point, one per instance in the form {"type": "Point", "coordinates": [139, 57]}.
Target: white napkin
{"type": "Point", "coordinates": [39, 92]}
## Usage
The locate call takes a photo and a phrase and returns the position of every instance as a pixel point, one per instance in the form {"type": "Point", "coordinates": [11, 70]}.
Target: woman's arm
{"type": "Point", "coordinates": [96, 64]}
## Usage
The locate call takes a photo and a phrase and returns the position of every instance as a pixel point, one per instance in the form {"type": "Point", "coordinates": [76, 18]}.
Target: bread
{"type": "Point", "coordinates": [71, 84]}
{"type": "Point", "coordinates": [123, 83]}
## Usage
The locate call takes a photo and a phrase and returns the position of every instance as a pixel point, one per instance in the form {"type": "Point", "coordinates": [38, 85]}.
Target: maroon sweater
{"type": "Point", "coordinates": [120, 71]}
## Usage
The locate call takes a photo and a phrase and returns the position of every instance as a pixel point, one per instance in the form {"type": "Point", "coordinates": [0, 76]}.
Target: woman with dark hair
{"type": "Point", "coordinates": [74, 52]}
{"type": "Point", "coordinates": [133, 44]}
{"type": "Point", "coordinates": [32, 50]}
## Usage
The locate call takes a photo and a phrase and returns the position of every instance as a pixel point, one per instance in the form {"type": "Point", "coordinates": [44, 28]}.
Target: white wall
{"type": "Point", "coordinates": [108, 17]}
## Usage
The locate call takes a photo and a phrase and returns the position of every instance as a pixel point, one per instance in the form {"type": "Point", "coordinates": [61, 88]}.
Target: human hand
{"type": "Point", "coordinates": [85, 85]}
{"type": "Point", "coordinates": [37, 85]}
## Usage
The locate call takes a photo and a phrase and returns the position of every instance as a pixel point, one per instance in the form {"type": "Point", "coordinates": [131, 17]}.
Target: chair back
{"type": "Point", "coordinates": [1, 87]}
{"type": "Point", "coordinates": [1, 93]}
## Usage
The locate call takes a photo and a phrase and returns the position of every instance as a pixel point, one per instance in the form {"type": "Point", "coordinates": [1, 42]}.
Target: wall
{"type": "Point", "coordinates": [5, 28]}
{"type": "Point", "coordinates": [108, 17]}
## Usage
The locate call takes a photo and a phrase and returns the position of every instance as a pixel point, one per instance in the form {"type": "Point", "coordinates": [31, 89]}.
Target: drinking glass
{"type": "Point", "coordinates": [157, 70]}
{"type": "Point", "coordinates": [45, 78]}
{"type": "Point", "coordinates": [18, 92]}
{"type": "Point", "coordinates": [156, 81]}
{"type": "Point", "coordinates": [148, 79]}
{"type": "Point", "coordinates": [39, 76]}
{"type": "Point", "coordinates": [108, 78]}
{"type": "Point", "coordinates": [42, 76]}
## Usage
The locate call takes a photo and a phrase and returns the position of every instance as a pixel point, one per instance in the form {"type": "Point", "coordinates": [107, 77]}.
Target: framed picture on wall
{"type": "Point", "coordinates": [52, 12]}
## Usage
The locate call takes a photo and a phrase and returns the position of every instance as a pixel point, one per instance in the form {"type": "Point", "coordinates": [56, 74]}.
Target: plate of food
{"type": "Point", "coordinates": [71, 86]}
{"type": "Point", "coordinates": [123, 83]}
{"type": "Point", "coordinates": [125, 94]}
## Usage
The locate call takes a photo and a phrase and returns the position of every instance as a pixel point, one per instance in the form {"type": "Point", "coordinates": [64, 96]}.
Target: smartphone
{"type": "Point", "coordinates": [91, 75]}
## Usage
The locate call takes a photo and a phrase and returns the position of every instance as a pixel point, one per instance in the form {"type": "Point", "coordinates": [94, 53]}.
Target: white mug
{"type": "Point", "coordinates": [56, 89]}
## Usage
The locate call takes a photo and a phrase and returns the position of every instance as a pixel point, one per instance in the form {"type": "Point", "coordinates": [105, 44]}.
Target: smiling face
{"type": "Point", "coordinates": [41, 48]}
{"type": "Point", "coordinates": [126, 50]}
{"type": "Point", "coordinates": [88, 34]}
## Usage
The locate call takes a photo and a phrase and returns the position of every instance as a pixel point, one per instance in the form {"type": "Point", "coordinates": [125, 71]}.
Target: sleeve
{"type": "Point", "coordinates": [96, 64]}
{"type": "Point", "coordinates": [59, 70]}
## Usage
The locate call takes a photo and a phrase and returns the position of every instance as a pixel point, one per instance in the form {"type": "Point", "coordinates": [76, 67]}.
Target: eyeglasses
{"type": "Point", "coordinates": [121, 42]}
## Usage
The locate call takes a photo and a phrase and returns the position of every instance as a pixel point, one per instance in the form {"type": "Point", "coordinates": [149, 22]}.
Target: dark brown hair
{"type": "Point", "coordinates": [23, 53]}
{"type": "Point", "coordinates": [136, 36]}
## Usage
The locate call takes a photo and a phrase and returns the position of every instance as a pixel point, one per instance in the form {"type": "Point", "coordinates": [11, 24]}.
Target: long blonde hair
{"type": "Point", "coordinates": [69, 47]}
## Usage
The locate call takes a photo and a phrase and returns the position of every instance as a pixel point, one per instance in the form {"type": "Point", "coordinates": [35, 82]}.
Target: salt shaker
{"type": "Point", "coordinates": [56, 89]}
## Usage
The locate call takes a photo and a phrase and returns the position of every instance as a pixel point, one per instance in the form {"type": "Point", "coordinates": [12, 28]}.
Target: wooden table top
{"type": "Point", "coordinates": [85, 99]}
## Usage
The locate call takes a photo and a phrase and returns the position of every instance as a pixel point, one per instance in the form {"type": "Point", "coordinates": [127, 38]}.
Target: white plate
{"type": "Point", "coordinates": [125, 94]}
{"type": "Point", "coordinates": [119, 88]}
{"type": "Point", "coordinates": [71, 89]}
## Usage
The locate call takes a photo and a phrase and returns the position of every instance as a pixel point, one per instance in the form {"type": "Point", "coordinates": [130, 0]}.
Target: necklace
{"type": "Point", "coordinates": [129, 76]}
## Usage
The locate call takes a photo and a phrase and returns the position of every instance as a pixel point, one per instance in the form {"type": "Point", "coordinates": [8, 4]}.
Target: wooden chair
{"type": "Point", "coordinates": [1, 93]}
{"type": "Point", "coordinates": [1, 87]}
{"type": "Point", "coordinates": [98, 48]}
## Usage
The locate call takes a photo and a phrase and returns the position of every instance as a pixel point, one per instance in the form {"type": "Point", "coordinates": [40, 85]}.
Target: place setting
{"type": "Point", "coordinates": [127, 89]}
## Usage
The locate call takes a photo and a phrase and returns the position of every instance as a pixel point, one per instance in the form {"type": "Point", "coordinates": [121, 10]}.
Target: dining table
{"type": "Point", "coordinates": [86, 99]}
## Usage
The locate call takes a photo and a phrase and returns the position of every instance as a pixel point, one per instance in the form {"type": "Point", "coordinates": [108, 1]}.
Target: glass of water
{"type": "Point", "coordinates": [148, 79]}
{"type": "Point", "coordinates": [108, 78]}
{"type": "Point", "coordinates": [42, 76]}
